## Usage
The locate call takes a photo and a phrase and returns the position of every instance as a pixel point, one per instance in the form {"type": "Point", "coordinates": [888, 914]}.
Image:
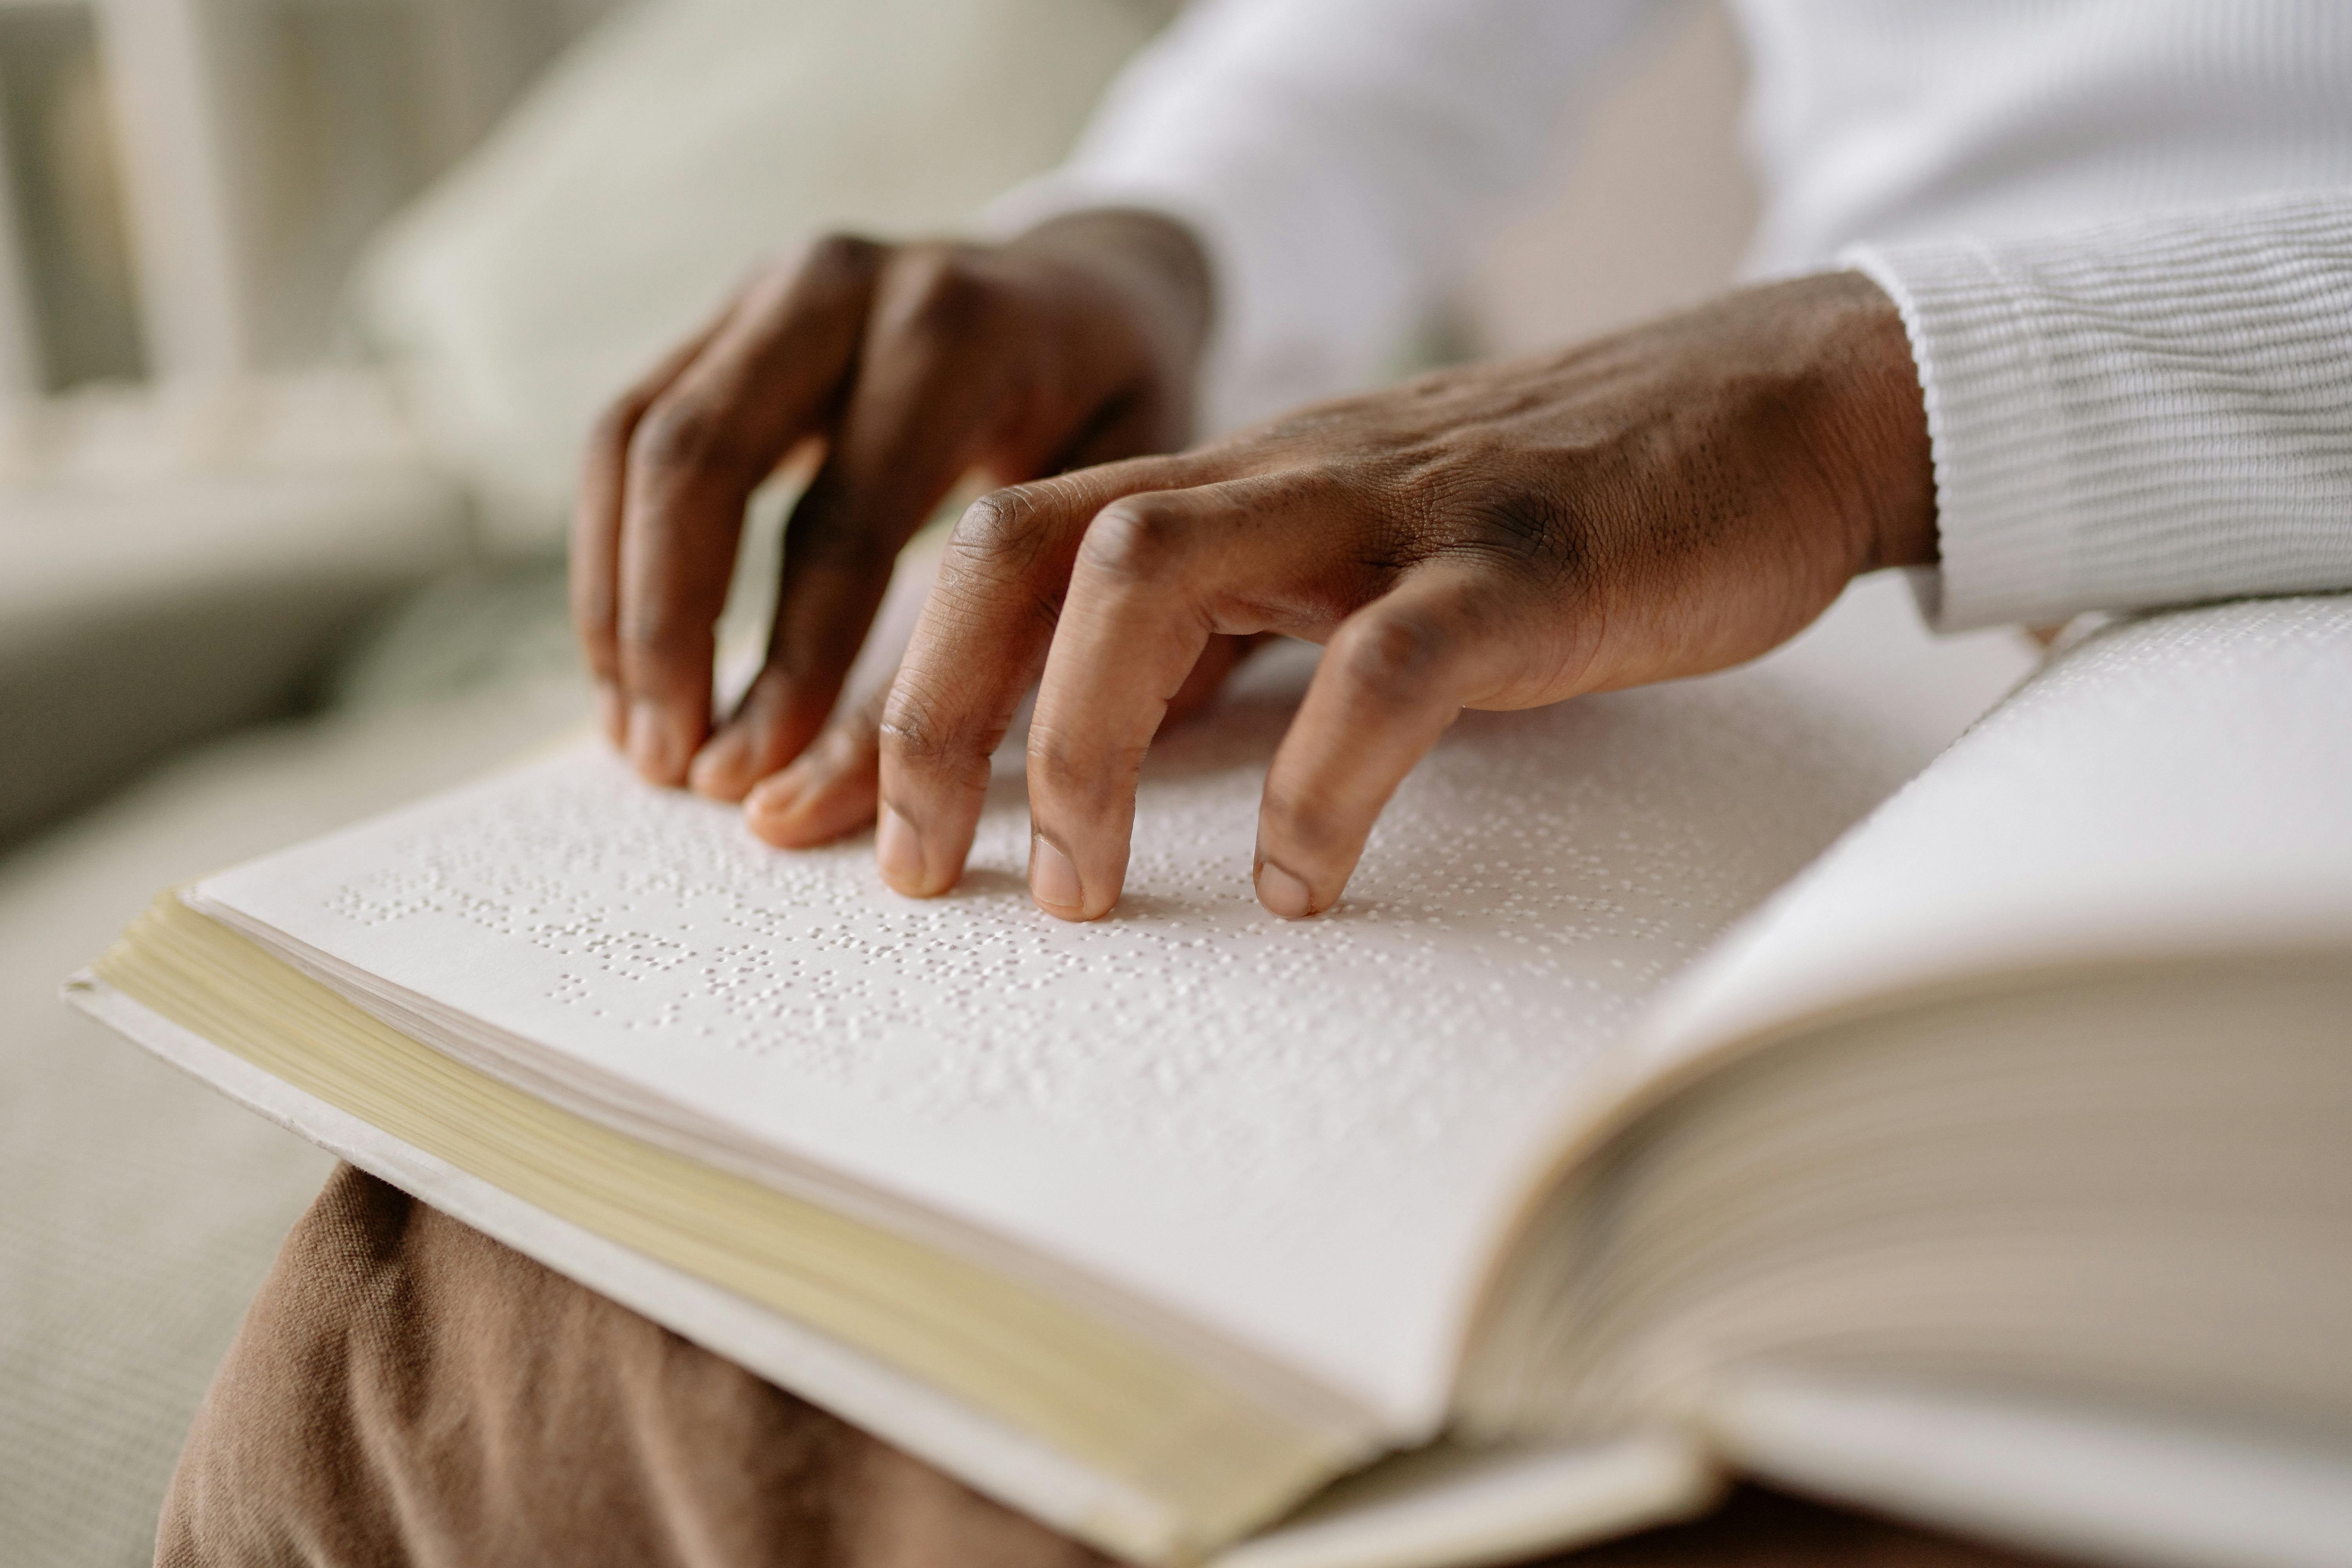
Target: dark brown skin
{"type": "Point", "coordinates": [910, 366]}
{"type": "Point", "coordinates": [1663, 502]}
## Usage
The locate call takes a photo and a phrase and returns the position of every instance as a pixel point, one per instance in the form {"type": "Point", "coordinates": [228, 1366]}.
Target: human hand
{"type": "Point", "coordinates": [1661, 503]}
{"type": "Point", "coordinates": [911, 365]}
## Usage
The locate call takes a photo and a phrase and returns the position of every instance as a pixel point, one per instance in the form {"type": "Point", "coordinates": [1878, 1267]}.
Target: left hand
{"type": "Point", "coordinates": [1661, 503]}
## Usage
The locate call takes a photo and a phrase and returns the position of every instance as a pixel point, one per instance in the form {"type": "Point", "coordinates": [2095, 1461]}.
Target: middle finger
{"type": "Point", "coordinates": [1157, 576]}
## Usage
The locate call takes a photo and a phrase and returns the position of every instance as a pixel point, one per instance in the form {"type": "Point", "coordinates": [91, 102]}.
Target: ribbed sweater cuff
{"type": "Point", "coordinates": [2146, 412]}
{"type": "Point", "coordinates": [1992, 410]}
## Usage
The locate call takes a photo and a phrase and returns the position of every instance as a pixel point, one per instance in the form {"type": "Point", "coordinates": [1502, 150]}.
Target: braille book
{"type": "Point", "coordinates": [1677, 1092]}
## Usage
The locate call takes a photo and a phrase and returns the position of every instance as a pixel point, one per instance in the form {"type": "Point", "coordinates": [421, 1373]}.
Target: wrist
{"type": "Point", "coordinates": [1887, 414]}
{"type": "Point", "coordinates": [1153, 262]}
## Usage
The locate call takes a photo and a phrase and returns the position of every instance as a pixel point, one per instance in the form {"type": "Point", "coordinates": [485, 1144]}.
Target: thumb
{"type": "Point", "coordinates": [832, 787]}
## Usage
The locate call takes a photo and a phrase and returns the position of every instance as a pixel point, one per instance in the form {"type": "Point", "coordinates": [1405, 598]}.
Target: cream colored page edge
{"type": "Point", "coordinates": [1509, 1505]}
{"type": "Point", "coordinates": [1298, 1396]}
{"type": "Point", "coordinates": [992, 1457]}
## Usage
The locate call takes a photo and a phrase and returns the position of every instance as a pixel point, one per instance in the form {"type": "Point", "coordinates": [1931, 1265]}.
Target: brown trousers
{"type": "Point", "coordinates": [405, 1390]}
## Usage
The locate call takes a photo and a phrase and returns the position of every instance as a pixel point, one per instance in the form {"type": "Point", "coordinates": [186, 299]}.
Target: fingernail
{"type": "Point", "coordinates": [1282, 893]}
{"type": "Point", "coordinates": [654, 747]}
{"type": "Point", "coordinates": [1052, 880]}
{"type": "Point", "coordinates": [898, 852]}
{"type": "Point", "coordinates": [717, 770]}
{"type": "Point", "coordinates": [612, 713]}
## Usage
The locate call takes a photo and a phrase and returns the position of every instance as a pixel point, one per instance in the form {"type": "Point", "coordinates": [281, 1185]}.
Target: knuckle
{"type": "Point", "coordinates": [616, 423]}
{"type": "Point", "coordinates": [839, 254]}
{"type": "Point", "coordinates": [937, 293]}
{"type": "Point", "coordinates": [1305, 831]}
{"type": "Point", "coordinates": [1007, 526]}
{"type": "Point", "coordinates": [827, 265]}
{"type": "Point", "coordinates": [1137, 539]}
{"type": "Point", "coordinates": [657, 634]}
{"type": "Point", "coordinates": [1053, 764]}
{"type": "Point", "coordinates": [1070, 769]}
{"type": "Point", "coordinates": [913, 731]}
{"type": "Point", "coordinates": [684, 435]}
{"type": "Point", "coordinates": [938, 733]}
{"type": "Point", "coordinates": [1394, 655]}
{"type": "Point", "coordinates": [649, 637]}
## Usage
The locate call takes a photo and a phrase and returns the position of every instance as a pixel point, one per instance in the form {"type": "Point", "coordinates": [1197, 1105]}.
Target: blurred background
{"type": "Point", "coordinates": [305, 306]}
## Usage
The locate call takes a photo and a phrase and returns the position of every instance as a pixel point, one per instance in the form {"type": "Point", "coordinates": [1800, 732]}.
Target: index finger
{"type": "Point", "coordinates": [1394, 677]}
{"type": "Point", "coordinates": [979, 644]}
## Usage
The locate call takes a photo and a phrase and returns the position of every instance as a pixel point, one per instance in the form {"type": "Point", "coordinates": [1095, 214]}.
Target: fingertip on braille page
{"type": "Point", "coordinates": [776, 794]}
{"type": "Point", "coordinates": [898, 853]}
{"type": "Point", "coordinates": [775, 809]}
{"type": "Point", "coordinates": [1526, 888]}
{"type": "Point", "coordinates": [1053, 881]}
{"type": "Point", "coordinates": [807, 805]}
{"type": "Point", "coordinates": [1282, 893]}
{"type": "Point", "coordinates": [656, 749]}
{"type": "Point", "coordinates": [719, 768]}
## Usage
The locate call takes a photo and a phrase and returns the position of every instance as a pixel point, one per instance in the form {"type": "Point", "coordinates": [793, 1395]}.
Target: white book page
{"type": "Point", "coordinates": [2173, 784]}
{"type": "Point", "coordinates": [1300, 1138]}
{"type": "Point", "coordinates": [2106, 1482]}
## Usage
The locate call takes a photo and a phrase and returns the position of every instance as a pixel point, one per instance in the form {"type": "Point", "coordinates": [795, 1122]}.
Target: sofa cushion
{"type": "Point", "coordinates": [622, 199]}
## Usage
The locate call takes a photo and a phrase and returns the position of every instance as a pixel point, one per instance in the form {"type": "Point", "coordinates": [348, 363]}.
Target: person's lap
{"type": "Point", "coordinates": [406, 1391]}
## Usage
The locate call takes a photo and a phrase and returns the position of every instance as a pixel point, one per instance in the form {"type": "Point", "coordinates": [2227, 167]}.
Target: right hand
{"type": "Point", "coordinates": [913, 365]}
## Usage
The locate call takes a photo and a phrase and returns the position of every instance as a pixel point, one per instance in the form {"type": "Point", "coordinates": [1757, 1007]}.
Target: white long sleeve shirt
{"type": "Point", "coordinates": [2120, 233]}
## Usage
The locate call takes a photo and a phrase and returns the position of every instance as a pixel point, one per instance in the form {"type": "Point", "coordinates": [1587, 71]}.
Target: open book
{"type": "Point", "coordinates": [1637, 1117]}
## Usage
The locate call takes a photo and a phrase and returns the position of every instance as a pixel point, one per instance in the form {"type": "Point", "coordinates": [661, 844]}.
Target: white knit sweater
{"type": "Point", "coordinates": [2120, 232]}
